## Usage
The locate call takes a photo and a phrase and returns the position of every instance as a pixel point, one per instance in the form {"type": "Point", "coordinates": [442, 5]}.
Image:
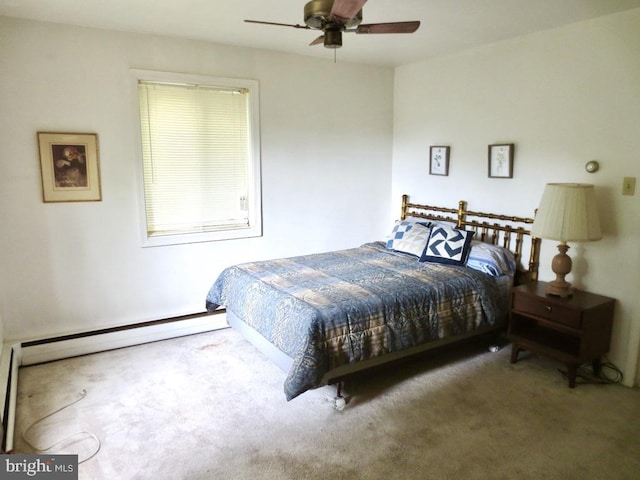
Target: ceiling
{"type": "Point", "coordinates": [446, 25]}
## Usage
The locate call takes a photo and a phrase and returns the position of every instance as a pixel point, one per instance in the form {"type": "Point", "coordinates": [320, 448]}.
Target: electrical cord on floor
{"type": "Point", "coordinates": [586, 375]}
{"type": "Point", "coordinates": [68, 439]}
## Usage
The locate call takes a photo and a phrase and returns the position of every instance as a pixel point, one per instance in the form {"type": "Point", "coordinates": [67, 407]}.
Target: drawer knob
{"type": "Point", "coordinates": [548, 308]}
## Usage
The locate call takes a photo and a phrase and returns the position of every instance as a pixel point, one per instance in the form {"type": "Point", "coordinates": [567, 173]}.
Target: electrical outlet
{"type": "Point", "coordinates": [629, 186]}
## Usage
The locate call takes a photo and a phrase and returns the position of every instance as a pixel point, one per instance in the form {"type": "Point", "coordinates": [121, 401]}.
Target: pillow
{"type": "Point", "coordinates": [491, 259]}
{"type": "Point", "coordinates": [442, 223]}
{"type": "Point", "coordinates": [447, 245]}
{"type": "Point", "coordinates": [400, 228]}
{"type": "Point", "coordinates": [413, 240]}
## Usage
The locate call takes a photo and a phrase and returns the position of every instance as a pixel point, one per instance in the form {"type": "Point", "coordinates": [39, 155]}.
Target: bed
{"type": "Point", "coordinates": [443, 275]}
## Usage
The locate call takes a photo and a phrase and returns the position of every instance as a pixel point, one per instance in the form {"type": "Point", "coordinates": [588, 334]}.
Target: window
{"type": "Point", "coordinates": [200, 158]}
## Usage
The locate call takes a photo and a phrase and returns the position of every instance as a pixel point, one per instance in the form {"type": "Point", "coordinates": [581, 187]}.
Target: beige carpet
{"type": "Point", "coordinates": [210, 406]}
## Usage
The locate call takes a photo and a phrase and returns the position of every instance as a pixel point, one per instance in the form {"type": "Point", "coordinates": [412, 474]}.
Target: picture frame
{"type": "Point", "coordinates": [501, 160]}
{"type": "Point", "coordinates": [439, 160]}
{"type": "Point", "coordinates": [70, 167]}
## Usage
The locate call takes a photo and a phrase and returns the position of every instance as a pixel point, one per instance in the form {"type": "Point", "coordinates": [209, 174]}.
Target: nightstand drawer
{"type": "Point", "coordinates": [547, 310]}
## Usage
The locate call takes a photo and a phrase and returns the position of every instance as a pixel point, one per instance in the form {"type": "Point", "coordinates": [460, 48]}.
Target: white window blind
{"type": "Point", "coordinates": [198, 165]}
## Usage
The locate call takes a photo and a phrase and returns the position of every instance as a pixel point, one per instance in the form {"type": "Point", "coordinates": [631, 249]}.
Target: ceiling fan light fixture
{"type": "Point", "coordinates": [333, 39]}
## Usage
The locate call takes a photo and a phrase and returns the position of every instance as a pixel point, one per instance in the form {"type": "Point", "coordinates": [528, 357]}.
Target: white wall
{"type": "Point", "coordinates": [70, 267]}
{"type": "Point", "coordinates": [564, 97]}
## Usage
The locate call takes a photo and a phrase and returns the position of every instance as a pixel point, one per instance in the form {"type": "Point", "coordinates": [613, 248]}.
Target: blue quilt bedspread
{"type": "Point", "coordinates": [329, 309]}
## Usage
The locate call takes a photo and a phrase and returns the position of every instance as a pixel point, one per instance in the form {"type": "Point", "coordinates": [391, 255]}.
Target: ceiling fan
{"type": "Point", "coordinates": [333, 17]}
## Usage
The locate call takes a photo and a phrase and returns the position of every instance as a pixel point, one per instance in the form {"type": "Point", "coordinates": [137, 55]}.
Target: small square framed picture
{"type": "Point", "coordinates": [501, 160]}
{"type": "Point", "coordinates": [439, 160]}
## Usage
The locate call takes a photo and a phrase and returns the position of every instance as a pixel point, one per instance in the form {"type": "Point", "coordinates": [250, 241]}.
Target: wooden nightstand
{"type": "Point", "coordinates": [573, 330]}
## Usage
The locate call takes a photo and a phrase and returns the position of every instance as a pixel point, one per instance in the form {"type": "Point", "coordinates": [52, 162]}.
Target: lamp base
{"type": "Point", "coordinates": [561, 266]}
{"type": "Point", "coordinates": [559, 289]}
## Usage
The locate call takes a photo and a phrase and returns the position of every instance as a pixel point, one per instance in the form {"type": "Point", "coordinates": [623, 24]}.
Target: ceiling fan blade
{"type": "Point", "coordinates": [279, 24]}
{"type": "Point", "coordinates": [317, 41]}
{"type": "Point", "coordinates": [345, 10]}
{"type": "Point", "coordinates": [394, 27]}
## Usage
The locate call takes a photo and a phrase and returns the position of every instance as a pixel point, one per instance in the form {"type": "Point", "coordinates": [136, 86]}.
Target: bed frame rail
{"type": "Point", "coordinates": [508, 231]}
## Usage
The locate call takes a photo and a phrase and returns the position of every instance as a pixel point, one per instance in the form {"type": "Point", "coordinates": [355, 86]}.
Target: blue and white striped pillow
{"type": "Point", "coordinates": [491, 259]}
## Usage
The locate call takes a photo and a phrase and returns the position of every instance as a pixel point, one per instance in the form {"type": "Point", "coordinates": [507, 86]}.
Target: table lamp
{"type": "Point", "coordinates": [567, 213]}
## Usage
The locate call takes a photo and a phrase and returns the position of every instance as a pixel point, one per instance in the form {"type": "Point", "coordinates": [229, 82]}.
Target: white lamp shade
{"type": "Point", "coordinates": [568, 212]}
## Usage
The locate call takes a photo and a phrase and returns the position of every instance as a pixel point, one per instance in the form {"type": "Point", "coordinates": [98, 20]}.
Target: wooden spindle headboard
{"type": "Point", "coordinates": [509, 231]}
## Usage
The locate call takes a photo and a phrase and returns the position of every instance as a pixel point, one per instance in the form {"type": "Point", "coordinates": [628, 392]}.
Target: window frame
{"type": "Point", "coordinates": [255, 197]}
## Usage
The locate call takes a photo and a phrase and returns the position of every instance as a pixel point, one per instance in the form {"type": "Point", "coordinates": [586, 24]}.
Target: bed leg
{"type": "Point", "coordinates": [339, 402]}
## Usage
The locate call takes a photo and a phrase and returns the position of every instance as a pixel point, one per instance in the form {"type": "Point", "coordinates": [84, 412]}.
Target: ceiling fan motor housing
{"type": "Point", "coordinates": [317, 13]}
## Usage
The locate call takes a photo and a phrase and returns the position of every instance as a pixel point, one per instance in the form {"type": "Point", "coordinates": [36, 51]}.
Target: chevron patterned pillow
{"type": "Point", "coordinates": [447, 245]}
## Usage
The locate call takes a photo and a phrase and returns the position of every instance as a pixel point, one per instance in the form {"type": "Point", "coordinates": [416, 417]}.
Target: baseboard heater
{"type": "Point", "coordinates": [44, 350]}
